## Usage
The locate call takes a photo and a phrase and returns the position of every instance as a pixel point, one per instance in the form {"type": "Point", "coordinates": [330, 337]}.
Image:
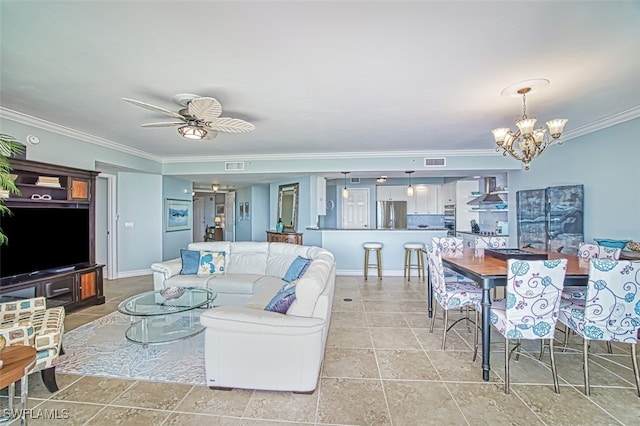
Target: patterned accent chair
{"type": "Point", "coordinates": [491, 242]}
{"type": "Point", "coordinates": [28, 322]}
{"type": "Point", "coordinates": [530, 309]}
{"type": "Point", "coordinates": [450, 294]}
{"type": "Point", "coordinates": [610, 312]}
{"type": "Point", "coordinates": [450, 246]}
{"type": "Point", "coordinates": [587, 252]}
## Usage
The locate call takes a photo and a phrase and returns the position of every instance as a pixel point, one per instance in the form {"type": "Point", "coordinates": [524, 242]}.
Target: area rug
{"type": "Point", "coordinates": [100, 348]}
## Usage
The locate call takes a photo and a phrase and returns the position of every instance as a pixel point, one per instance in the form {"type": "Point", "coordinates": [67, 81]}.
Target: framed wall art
{"type": "Point", "coordinates": [178, 215]}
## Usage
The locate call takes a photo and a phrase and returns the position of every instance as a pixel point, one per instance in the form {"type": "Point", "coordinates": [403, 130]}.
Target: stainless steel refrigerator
{"type": "Point", "coordinates": [392, 214]}
{"type": "Point", "coordinates": [551, 219]}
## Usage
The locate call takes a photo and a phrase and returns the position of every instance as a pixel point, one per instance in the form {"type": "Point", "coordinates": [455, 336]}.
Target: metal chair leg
{"type": "Point", "coordinates": [444, 332]}
{"type": "Point", "coordinates": [433, 317]}
{"type": "Point", "coordinates": [506, 366]}
{"type": "Point", "coordinates": [542, 349]}
{"type": "Point", "coordinates": [475, 337]}
{"type": "Point", "coordinates": [609, 348]}
{"type": "Point", "coordinates": [585, 364]}
{"type": "Point", "coordinates": [556, 387]}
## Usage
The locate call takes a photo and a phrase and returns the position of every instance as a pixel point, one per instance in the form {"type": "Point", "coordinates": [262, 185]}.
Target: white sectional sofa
{"type": "Point", "coordinates": [246, 346]}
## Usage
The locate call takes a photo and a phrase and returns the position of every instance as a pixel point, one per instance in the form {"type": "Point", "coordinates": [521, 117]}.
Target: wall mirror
{"type": "Point", "coordinates": [288, 205]}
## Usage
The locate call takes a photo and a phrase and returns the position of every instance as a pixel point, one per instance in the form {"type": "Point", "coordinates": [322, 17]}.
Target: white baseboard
{"type": "Point", "coordinates": [372, 271]}
{"type": "Point", "coordinates": [138, 273]}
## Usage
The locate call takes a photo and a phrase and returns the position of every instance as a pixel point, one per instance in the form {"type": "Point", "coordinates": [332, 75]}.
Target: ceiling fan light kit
{"type": "Point", "coordinates": [527, 142]}
{"type": "Point", "coordinates": [198, 119]}
{"type": "Point", "coordinates": [192, 132]}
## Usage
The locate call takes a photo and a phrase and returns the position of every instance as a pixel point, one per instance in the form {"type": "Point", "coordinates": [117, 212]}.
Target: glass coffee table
{"type": "Point", "coordinates": [155, 319]}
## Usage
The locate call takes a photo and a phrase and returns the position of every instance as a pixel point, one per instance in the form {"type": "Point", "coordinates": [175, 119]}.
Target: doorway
{"type": "Point", "coordinates": [356, 209]}
{"type": "Point", "coordinates": [106, 217]}
{"type": "Point", "coordinates": [199, 226]}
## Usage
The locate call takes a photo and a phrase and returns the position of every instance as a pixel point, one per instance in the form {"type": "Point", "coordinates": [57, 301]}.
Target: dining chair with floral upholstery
{"type": "Point", "coordinates": [450, 246]}
{"type": "Point", "coordinates": [586, 252]}
{"type": "Point", "coordinates": [450, 294]}
{"type": "Point", "coordinates": [489, 242]}
{"type": "Point", "coordinates": [610, 311]}
{"type": "Point", "coordinates": [530, 309]}
{"type": "Point", "coordinates": [29, 322]}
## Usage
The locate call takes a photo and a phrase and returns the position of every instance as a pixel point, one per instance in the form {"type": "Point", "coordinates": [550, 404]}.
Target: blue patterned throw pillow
{"type": "Point", "coordinates": [297, 269]}
{"type": "Point", "coordinates": [211, 263]}
{"type": "Point", "coordinates": [282, 300]}
{"type": "Point", "coordinates": [190, 262]}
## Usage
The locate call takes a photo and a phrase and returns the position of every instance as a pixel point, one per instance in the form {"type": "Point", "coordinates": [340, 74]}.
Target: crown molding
{"type": "Point", "coordinates": [22, 118]}
{"type": "Point", "coordinates": [334, 155]}
{"type": "Point", "coordinates": [612, 120]}
{"type": "Point", "coordinates": [72, 133]}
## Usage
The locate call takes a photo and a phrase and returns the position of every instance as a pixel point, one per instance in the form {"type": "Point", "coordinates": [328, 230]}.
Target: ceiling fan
{"type": "Point", "coordinates": [199, 117]}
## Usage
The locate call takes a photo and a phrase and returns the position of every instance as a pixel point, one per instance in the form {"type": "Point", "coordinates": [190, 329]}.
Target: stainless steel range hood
{"type": "Point", "coordinates": [487, 197]}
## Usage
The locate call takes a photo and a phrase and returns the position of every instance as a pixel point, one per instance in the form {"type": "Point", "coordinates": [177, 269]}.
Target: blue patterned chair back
{"type": "Point", "coordinates": [448, 246]}
{"type": "Point", "coordinates": [612, 305]}
{"type": "Point", "coordinates": [436, 271]}
{"type": "Point", "coordinates": [491, 242]}
{"type": "Point", "coordinates": [594, 251]}
{"type": "Point", "coordinates": [533, 297]}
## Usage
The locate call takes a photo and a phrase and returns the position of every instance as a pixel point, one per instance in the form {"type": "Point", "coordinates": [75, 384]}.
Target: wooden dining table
{"type": "Point", "coordinates": [489, 272]}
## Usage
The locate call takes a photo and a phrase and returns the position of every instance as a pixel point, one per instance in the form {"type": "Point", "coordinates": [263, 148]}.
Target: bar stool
{"type": "Point", "coordinates": [419, 265]}
{"type": "Point", "coordinates": [377, 247]}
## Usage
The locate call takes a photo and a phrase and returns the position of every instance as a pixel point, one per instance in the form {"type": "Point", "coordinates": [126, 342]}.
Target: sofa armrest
{"type": "Point", "coordinates": [169, 268]}
{"type": "Point", "coordinates": [256, 321]}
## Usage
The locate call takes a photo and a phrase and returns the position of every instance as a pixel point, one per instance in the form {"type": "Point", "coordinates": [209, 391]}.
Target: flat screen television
{"type": "Point", "coordinates": [43, 240]}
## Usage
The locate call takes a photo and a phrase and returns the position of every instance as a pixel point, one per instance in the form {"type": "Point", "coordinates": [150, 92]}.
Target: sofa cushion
{"type": "Point", "coordinates": [234, 283]}
{"type": "Point", "coordinates": [190, 262]}
{"type": "Point", "coordinates": [282, 300]}
{"type": "Point", "coordinates": [188, 281]}
{"type": "Point", "coordinates": [297, 268]}
{"type": "Point", "coordinates": [248, 258]}
{"type": "Point", "coordinates": [281, 255]}
{"type": "Point", "coordinates": [264, 289]}
{"type": "Point", "coordinates": [211, 263]}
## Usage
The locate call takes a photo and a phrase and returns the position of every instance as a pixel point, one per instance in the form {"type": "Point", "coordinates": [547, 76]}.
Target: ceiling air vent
{"type": "Point", "coordinates": [435, 162]}
{"type": "Point", "coordinates": [355, 180]}
{"type": "Point", "coordinates": [234, 166]}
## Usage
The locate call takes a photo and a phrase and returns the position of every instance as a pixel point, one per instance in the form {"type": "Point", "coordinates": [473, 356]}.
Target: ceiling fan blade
{"type": "Point", "coordinates": [211, 134]}
{"type": "Point", "coordinates": [167, 124]}
{"type": "Point", "coordinates": [153, 108]}
{"type": "Point", "coordinates": [231, 125]}
{"type": "Point", "coordinates": [205, 109]}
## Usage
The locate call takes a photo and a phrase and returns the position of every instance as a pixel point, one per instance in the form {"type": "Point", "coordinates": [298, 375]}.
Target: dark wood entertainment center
{"type": "Point", "coordinates": [42, 186]}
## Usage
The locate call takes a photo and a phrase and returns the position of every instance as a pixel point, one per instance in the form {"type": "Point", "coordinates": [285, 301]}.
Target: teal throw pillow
{"type": "Point", "coordinates": [297, 269]}
{"type": "Point", "coordinates": [190, 262]}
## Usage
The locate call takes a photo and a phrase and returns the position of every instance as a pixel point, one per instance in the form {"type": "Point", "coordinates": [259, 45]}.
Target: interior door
{"type": "Point", "coordinates": [198, 219]}
{"type": "Point", "coordinates": [356, 209]}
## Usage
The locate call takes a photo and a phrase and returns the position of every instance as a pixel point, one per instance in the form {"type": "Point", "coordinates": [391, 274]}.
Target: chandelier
{"type": "Point", "coordinates": [527, 142]}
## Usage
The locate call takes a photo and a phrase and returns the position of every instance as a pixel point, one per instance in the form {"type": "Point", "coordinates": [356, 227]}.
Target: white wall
{"type": "Point", "coordinates": [607, 163]}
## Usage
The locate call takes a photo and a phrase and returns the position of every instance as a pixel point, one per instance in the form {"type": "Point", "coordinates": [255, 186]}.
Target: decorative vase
{"type": "Point", "coordinates": [279, 226]}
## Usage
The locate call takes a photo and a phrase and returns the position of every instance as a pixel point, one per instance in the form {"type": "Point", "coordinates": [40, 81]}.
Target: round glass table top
{"type": "Point", "coordinates": [152, 303]}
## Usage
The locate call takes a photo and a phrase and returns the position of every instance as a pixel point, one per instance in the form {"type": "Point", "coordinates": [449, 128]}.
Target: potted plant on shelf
{"type": "Point", "coordinates": [9, 147]}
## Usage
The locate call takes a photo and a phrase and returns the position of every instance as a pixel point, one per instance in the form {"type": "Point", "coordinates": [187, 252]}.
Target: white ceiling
{"type": "Point", "coordinates": [317, 77]}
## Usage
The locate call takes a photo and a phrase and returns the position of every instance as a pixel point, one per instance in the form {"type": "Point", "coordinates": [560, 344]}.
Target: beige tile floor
{"type": "Point", "coordinates": [382, 366]}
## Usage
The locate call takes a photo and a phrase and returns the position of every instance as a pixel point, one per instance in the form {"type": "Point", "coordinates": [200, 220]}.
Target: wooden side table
{"type": "Point", "coordinates": [17, 363]}
{"type": "Point", "coordinates": [284, 237]}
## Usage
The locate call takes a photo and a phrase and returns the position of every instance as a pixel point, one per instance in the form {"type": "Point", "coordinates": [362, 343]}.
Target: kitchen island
{"type": "Point", "coordinates": [346, 246]}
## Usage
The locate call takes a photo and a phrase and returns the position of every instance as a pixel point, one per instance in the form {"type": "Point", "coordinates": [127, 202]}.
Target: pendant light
{"type": "Point", "coordinates": [409, 188]}
{"type": "Point", "coordinates": [345, 191]}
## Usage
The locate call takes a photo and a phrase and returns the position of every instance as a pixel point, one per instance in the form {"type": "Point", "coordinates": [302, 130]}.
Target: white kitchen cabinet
{"type": "Point", "coordinates": [424, 200]}
{"type": "Point", "coordinates": [447, 195]}
{"type": "Point", "coordinates": [321, 198]}
{"type": "Point", "coordinates": [392, 193]}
